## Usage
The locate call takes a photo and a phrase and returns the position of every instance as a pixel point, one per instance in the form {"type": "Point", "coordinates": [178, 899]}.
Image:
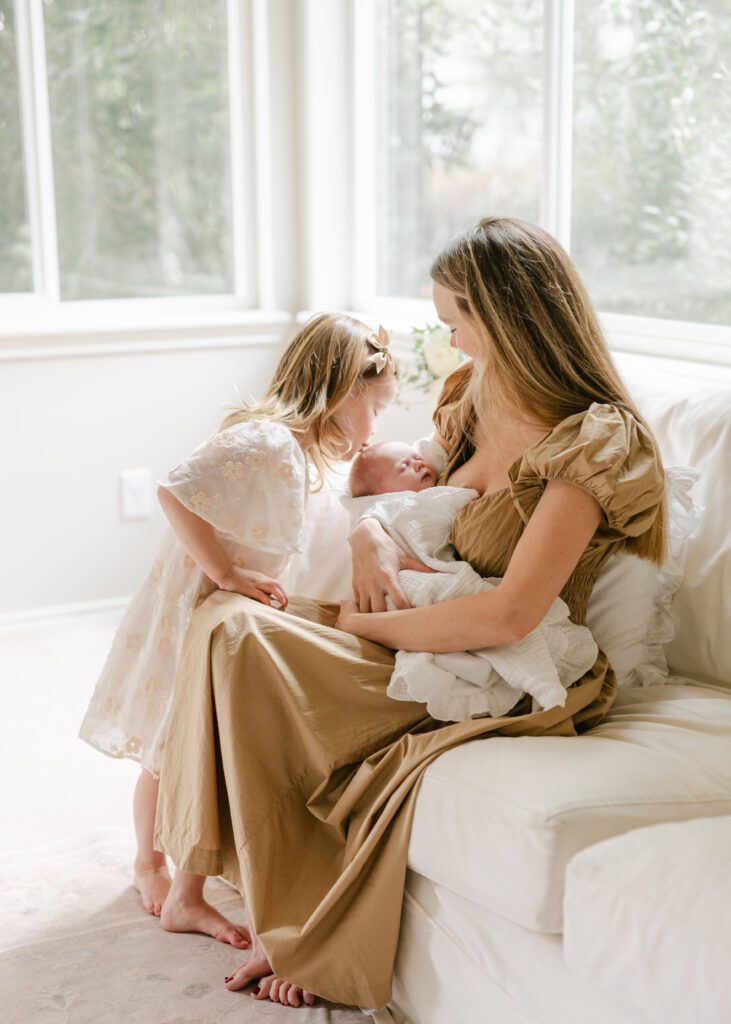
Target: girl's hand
{"type": "Point", "coordinates": [346, 619]}
{"type": "Point", "coordinates": [253, 584]}
{"type": "Point", "coordinates": [376, 564]}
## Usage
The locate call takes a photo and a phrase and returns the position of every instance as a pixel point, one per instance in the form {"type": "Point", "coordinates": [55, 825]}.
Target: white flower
{"type": "Point", "coordinates": [201, 502]}
{"type": "Point", "coordinates": [234, 470]}
{"type": "Point", "coordinates": [440, 357]}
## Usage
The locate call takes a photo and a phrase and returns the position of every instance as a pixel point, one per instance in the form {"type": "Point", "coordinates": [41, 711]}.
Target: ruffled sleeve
{"type": "Point", "coordinates": [445, 414]}
{"type": "Point", "coordinates": [607, 452]}
{"type": "Point", "coordinates": [249, 483]}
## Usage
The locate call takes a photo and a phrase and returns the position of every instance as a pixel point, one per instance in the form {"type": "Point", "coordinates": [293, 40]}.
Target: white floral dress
{"type": "Point", "coordinates": [250, 483]}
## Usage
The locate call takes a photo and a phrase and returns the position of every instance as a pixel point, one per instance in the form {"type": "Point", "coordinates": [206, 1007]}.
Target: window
{"type": "Point", "coordinates": [138, 186]}
{"type": "Point", "coordinates": [652, 149]}
{"type": "Point", "coordinates": [459, 109]}
{"type": "Point", "coordinates": [460, 116]}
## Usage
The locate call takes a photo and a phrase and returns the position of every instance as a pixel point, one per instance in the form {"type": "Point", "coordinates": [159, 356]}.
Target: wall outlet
{"type": "Point", "coordinates": [135, 488]}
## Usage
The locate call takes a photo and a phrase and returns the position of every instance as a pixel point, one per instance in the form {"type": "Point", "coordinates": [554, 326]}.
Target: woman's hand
{"type": "Point", "coordinates": [253, 584]}
{"type": "Point", "coordinates": [377, 560]}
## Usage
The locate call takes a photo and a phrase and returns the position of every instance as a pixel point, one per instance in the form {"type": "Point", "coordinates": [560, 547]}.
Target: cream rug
{"type": "Point", "coordinates": [76, 947]}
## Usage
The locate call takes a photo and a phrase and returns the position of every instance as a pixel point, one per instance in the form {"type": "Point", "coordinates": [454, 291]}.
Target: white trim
{"type": "Point", "coordinates": [365, 153]}
{"type": "Point", "coordinates": [205, 342]}
{"type": "Point", "coordinates": [241, 130]}
{"type": "Point", "coordinates": [32, 617]}
{"type": "Point", "coordinates": [674, 339]}
{"type": "Point", "coordinates": [36, 120]}
{"type": "Point", "coordinates": [558, 60]}
{"type": "Point", "coordinates": [31, 315]}
{"type": "Point", "coordinates": [327, 153]}
{"type": "Point", "coordinates": [261, 70]}
{"type": "Point", "coordinates": [241, 328]}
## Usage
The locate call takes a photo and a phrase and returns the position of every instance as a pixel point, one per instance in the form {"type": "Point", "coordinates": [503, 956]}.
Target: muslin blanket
{"type": "Point", "coordinates": [470, 684]}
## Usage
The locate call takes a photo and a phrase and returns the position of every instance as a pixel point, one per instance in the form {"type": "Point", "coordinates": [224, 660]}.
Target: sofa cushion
{"type": "Point", "coordinates": [647, 914]}
{"type": "Point", "coordinates": [497, 819]}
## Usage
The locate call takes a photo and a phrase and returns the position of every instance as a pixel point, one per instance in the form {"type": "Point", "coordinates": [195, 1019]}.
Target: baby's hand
{"type": "Point", "coordinates": [253, 584]}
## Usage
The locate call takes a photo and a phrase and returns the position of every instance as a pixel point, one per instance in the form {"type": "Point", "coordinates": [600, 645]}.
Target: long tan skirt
{"type": "Point", "coordinates": [288, 770]}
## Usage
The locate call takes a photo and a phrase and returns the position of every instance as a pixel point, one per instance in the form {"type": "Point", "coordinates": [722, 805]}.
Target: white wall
{"type": "Point", "coordinates": [69, 424]}
{"type": "Point", "coordinates": [70, 421]}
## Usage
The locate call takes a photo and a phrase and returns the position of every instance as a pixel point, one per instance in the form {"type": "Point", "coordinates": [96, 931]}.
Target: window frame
{"type": "Point", "coordinates": [42, 310]}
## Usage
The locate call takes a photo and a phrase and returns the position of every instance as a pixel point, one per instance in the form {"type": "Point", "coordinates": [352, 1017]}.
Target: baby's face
{"type": "Point", "coordinates": [395, 466]}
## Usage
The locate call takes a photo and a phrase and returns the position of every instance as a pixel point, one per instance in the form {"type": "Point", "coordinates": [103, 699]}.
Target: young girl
{"type": "Point", "coordinates": [236, 513]}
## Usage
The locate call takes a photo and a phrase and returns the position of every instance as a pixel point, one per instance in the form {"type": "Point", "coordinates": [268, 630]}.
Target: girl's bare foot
{"type": "Point", "coordinates": [193, 914]}
{"type": "Point", "coordinates": [152, 882]}
{"type": "Point", "coordinates": [270, 985]}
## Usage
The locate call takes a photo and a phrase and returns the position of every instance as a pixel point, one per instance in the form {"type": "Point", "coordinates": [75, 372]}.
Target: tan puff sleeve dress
{"type": "Point", "coordinates": [288, 769]}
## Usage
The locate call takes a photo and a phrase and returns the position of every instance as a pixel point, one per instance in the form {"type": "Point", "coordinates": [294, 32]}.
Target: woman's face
{"type": "Point", "coordinates": [463, 334]}
{"type": "Point", "coordinates": [357, 415]}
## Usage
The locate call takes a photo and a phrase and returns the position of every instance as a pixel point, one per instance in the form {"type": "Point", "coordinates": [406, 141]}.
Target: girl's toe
{"type": "Point", "coordinates": [262, 989]}
{"type": "Point", "coordinates": [282, 994]}
{"type": "Point", "coordinates": [309, 998]}
{"type": "Point", "coordinates": [294, 995]}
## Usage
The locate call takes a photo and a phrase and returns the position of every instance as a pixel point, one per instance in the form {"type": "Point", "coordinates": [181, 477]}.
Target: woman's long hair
{"type": "Point", "coordinates": [322, 364]}
{"type": "Point", "coordinates": [543, 350]}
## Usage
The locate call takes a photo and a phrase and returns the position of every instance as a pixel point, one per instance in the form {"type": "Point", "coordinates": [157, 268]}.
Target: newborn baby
{"type": "Point", "coordinates": [394, 466]}
{"type": "Point", "coordinates": [399, 481]}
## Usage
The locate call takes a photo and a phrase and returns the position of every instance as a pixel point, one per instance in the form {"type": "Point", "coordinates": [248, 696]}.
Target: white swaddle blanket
{"type": "Point", "coordinates": [490, 681]}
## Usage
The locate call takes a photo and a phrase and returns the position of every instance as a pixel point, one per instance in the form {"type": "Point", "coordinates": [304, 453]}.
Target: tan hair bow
{"type": "Point", "coordinates": [382, 357]}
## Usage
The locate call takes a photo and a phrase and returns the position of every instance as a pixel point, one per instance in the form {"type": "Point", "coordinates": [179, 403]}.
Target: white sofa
{"type": "Point", "coordinates": [551, 878]}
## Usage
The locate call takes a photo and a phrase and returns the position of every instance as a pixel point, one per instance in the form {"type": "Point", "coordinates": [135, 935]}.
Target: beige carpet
{"type": "Point", "coordinates": [77, 947]}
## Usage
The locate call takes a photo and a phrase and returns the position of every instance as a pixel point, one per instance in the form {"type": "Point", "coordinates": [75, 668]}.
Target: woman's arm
{"type": "Point", "coordinates": [564, 521]}
{"type": "Point", "coordinates": [199, 540]}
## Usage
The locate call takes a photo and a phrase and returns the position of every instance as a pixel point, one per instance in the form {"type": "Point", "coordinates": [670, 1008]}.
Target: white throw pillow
{"type": "Point", "coordinates": [628, 611]}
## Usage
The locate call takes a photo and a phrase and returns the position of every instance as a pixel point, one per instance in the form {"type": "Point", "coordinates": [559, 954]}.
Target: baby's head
{"type": "Point", "coordinates": [389, 466]}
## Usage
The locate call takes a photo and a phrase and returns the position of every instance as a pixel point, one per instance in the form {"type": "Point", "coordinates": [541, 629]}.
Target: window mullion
{"type": "Point", "coordinates": [365, 153]}
{"type": "Point", "coordinates": [558, 27]}
{"type": "Point", "coordinates": [241, 134]}
{"type": "Point", "coordinates": [37, 147]}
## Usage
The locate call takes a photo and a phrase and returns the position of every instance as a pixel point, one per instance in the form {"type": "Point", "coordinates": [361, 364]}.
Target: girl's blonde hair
{"type": "Point", "coordinates": [543, 349]}
{"type": "Point", "coordinates": [326, 359]}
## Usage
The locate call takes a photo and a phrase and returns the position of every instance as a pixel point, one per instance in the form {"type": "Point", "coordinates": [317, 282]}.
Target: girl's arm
{"type": "Point", "coordinates": [199, 540]}
{"type": "Point", "coordinates": [196, 536]}
{"type": "Point", "coordinates": [564, 521]}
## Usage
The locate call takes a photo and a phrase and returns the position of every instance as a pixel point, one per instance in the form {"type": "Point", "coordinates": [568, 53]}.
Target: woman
{"type": "Point", "coordinates": [288, 769]}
